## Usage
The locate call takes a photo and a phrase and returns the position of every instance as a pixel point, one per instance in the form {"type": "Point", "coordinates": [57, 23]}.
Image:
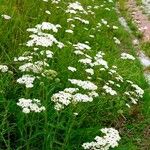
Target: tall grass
{"type": "Point", "coordinates": [63, 130]}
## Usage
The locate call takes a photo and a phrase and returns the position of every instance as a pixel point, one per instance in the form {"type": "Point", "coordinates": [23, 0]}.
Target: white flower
{"type": "Point", "coordinates": [128, 105]}
{"type": "Point", "coordinates": [35, 67]}
{"type": "Point", "coordinates": [116, 41]}
{"type": "Point", "coordinates": [61, 99]}
{"type": "Point", "coordinates": [93, 94]}
{"type": "Point", "coordinates": [86, 85]}
{"type": "Point", "coordinates": [90, 71]}
{"type": "Point", "coordinates": [138, 90]}
{"type": "Point", "coordinates": [3, 68]}
{"type": "Point", "coordinates": [23, 58]}
{"type": "Point", "coordinates": [27, 80]}
{"type": "Point", "coordinates": [78, 52]}
{"type": "Point", "coordinates": [48, 26]}
{"type": "Point", "coordinates": [29, 105]}
{"type": "Point", "coordinates": [109, 90]}
{"type": "Point", "coordinates": [86, 61]}
{"type": "Point", "coordinates": [6, 17]}
{"type": "Point", "coordinates": [71, 90]}
{"type": "Point", "coordinates": [81, 46]}
{"type": "Point", "coordinates": [26, 110]}
{"type": "Point", "coordinates": [99, 60]}
{"type": "Point", "coordinates": [49, 54]}
{"type": "Point", "coordinates": [82, 98]}
{"type": "Point", "coordinates": [127, 56]}
{"type": "Point", "coordinates": [107, 8]}
{"type": "Point", "coordinates": [135, 93]}
{"type": "Point", "coordinates": [69, 31]}
{"type": "Point", "coordinates": [91, 36]}
{"type": "Point", "coordinates": [104, 21]}
{"type": "Point", "coordinates": [115, 27]}
{"type": "Point", "coordinates": [72, 69]}
{"type": "Point", "coordinates": [109, 140]}
{"type": "Point", "coordinates": [75, 8]}
{"type": "Point", "coordinates": [76, 114]}
{"type": "Point", "coordinates": [82, 20]}
{"type": "Point", "coordinates": [44, 39]}
{"type": "Point", "coordinates": [48, 12]}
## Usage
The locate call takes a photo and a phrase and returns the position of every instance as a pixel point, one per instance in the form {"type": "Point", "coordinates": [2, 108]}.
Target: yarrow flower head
{"type": "Point", "coordinates": [109, 90]}
{"type": "Point", "coordinates": [81, 46]}
{"type": "Point", "coordinates": [86, 85]}
{"type": "Point", "coordinates": [39, 38]}
{"type": "Point", "coordinates": [27, 80]}
{"type": "Point", "coordinates": [74, 8]}
{"type": "Point", "coordinates": [134, 94]}
{"type": "Point", "coordinates": [70, 95]}
{"type": "Point", "coordinates": [35, 67]}
{"type": "Point", "coordinates": [72, 69]}
{"type": "Point", "coordinates": [109, 140]}
{"type": "Point", "coordinates": [29, 105]}
{"type": "Point", "coordinates": [127, 56]}
{"type": "Point", "coordinates": [3, 68]}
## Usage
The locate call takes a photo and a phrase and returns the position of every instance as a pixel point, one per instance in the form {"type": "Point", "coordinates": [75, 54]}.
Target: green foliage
{"type": "Point", "coordinates": [52, 130]}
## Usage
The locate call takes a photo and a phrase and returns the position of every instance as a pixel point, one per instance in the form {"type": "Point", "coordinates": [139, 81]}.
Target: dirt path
{"type": "Point", "coordinates": [141, 19]}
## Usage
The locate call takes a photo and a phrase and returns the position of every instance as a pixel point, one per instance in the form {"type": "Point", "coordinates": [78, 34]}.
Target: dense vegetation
{"type": "Point", "coordinates": [67, 70]}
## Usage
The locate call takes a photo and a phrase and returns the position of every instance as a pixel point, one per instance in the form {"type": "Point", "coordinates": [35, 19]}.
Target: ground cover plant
{"type": "Point", "coordinates": [69, 78]}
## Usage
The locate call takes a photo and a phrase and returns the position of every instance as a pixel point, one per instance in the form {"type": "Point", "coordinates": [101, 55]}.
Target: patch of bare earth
{"type": "Point", "coordinates": [142, 20]}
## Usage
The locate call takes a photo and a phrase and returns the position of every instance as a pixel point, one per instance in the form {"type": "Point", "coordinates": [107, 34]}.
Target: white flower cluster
{"type": "Point", "coordinates": [35, 67]}
{"type": "Point", "coordinates": [61, 99]}
{"type": "Point", "coordinates": [81, 46]}
{"type": "Point", "coordinates": [114, 74]}
{"type": "Point", "coordinates": [37, 61]}
{"type": "Point", "coordinates": [23, 58]}
{"type": "Point", "coordinates": [48, 53]}
{"type": "Point", "coordinates": [44, 40]}
{"type": "Point", "coordinates": [90, 71]}
{"type": "Point", "coordinates": [110, 87]}
{"type": "Point", "coordinates": [99, 60]}
{"type": "Point", "coordinates": [104, 21]}
{"type": "Point", "coordinates": [82, 20]}
{"type": "Point", "coordinates": [78, 97]}
{"type": "Point", "coordinates": [135, 93]}
{"type": "Point", "coordinates": [27, 80]}
{"type": "Point", "coordinates": [86, 85]}
{"type": "Point", "coordinates": [39, 38]}
{"type": "Point", "coordinates": [127, 56]}
{"type": "Point", "coordinates": [70, 95]}
{"type": "Point", "coordinates": [117, 41]}
{"type": "Point", "coordinates": [110, 140]}
{"type": "Point", "coordinates": [44, 26]}
{"type": "Point", "coordinates": [89, 10]}
{"type": "Point", "coordinates": [3, 68]}
{"type": "Point", "coordinates": [74, 8]}
{"type": "Point", "coordinates": [109, 90]}
{"type": "Point", "coordinates": [29, 105]}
